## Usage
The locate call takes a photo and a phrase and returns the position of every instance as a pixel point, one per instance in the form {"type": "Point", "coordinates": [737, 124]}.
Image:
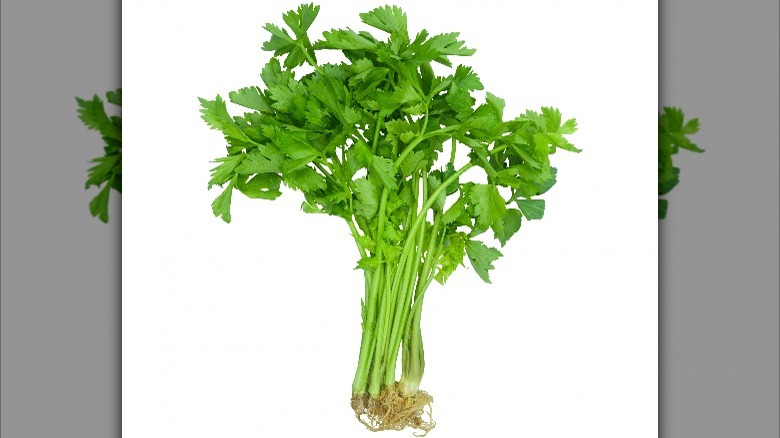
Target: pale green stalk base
{"type": "Point", "coordinates": [393, 302]}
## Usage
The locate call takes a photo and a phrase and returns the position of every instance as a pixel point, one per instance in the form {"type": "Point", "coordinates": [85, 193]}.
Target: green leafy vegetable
{"type": "Point", "coordinates": [107, 171]}
{"type": "Point", "coordinates": [373, 140]}
{"type": "Point", "coordinates": [673, 134]}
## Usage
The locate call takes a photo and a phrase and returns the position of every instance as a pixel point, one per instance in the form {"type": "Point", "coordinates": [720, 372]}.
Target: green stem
{"type": "Point", "coordinates": [408, 150]}
{"type": "Point", "coordinates": [379, 121]}
{"type": "Point", "coordinates": [436, 193]}
{"type": "Point", "coordinates": [415, 360]}
{"type": "Point", "coordinates": [392, 306]}
{"type": "Point", "coordinates": [327, 174]}
{"type": "Point", "coordinates": [499, 149]}
{"type": "Point", "coordinates": [414, 143]}
{"type": "Point", "coordinates": [310, 60]}
{"type": "Point", "coordinates": [429, 253]}
{"type": "Point", "coordinates": [488, 167]}
{"type": "Point", "coordinates": [452, 153]}
{"type": "Point", "coordinates": [369, 337]}
{"type": "Point", "coordinates": [379, 362]}
{"type": "Point", "coordinates": [355, 235]}
{"type": "Point", "coordinates": [413, 372]}
{"type": "Point", "coordinates": [360, 381]}
{"type": "Point", "coordinates": [413, 354]}
{"type": "Point", "coordinates": [404, 287]}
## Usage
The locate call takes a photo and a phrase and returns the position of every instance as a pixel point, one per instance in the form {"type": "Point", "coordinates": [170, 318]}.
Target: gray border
{"type": "Point", "coordinates": [719, 244]}
{"type": "Point", "coordinates": [61, 275]}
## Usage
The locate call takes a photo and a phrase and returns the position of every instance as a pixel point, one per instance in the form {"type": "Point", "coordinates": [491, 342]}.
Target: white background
{"type": "Point", "coordinates": [252, 328]}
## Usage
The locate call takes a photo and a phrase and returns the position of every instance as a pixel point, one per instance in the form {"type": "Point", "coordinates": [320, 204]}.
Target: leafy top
{"type": "Point", "coordinates": [365, 140]}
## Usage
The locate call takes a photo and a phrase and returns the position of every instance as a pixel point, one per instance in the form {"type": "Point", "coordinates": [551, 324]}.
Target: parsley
{"type": "Point", "coordinates": [373, 140]}
{"type": "Point", "coordinates": [107, 170]}
{"type": "Point", "coordinates": [673, 134]}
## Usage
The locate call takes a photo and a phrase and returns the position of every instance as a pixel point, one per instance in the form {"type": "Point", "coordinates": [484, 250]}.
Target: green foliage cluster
{"type": "Point", "coordinates": [673, 132]}
{"type": "Point", "coordinates": [373, 140]}
{"type": "Point", "coordinates": [107, 170]}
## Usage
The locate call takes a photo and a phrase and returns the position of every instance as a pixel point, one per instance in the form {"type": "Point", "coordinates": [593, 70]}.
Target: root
{"type": "Point", "coordinates": [394, 410]}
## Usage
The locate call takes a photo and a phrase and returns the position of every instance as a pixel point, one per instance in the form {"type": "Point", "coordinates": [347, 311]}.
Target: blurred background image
{"type": "Point", "coordinates": [718, 245]}
{"type": "Point", "coordinates": [61, 267]}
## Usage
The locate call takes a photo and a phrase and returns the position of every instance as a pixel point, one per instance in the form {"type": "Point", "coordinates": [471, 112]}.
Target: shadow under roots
{"type": "Point", "coordinates": [394, 410]}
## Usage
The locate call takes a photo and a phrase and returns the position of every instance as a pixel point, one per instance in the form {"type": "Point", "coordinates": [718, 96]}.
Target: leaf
{"type": "Point", "coordinates": [352, 116]}
{"type": "Point", "coordinates": [106, 167]}
{"type": "Point", "coordinates": [482, 258]}
{"type": "Point", "coordinates": [266, 159]}
{"type": "Point", "coordinates": [413, 162]}
{"type": "Point", "coordinates": [361, 65]}
{"type": "Point", "coordinates": [295, 58]}
{"type": "Point", "coordinates": [280, 42]}
{"type": "Point", "coordinates": [559, 141]}
{"type": "Point", "coordinates": [368, 263]}
{"type": "Point", "coordinates": [311, 207]}
{"type": "Point", "coordinates": [672, 119]}
{"type": "Point", "coordinates": [682, 141]}
{"type": "Point", "coordinates": [666, 184]}
{"type": "Point", "coordinates": [315, 113]}
{"type": "Point", "coordinates": [451, 257]}
{"type": "Point", "coordinates": [99, 204]}
{"type": "Point", "coordinates": [327, 92]}
{"type": "Point", "coordinates": [221, 205]}
{"type": "Point", "coordinates": [691, 127]}
{"type": "Point", "coordinates": [367, 195]}
{"type": "Point", "coordinates": [344, 39]}
{"type": "Point", "coordinates": [569, 127]}
{"type": "Point", "coordinates": [496, 103]}
{"type": "Point", "coordinates": [93, 114]}
{"type": "Point", "coordinates": [407, 137]}
{"type": "Point", "coordinates": [489, 206]}
{"type": "Point", "coordinates": [510, 224]}
{"type": "Point", "coordinates": [552, 118]}
{"type": "Point", "coordinates": [295, 145]}
{"type": "Point", "coordinates": [396, 127]}
{"type": "Point", "coordinates": [532, 208]}
{"type": "Point", "coordinates": [225, 171]}
{"type": "Point", "coordinates": [273, 74]}
{"type": "Point", "coordinates": [299, 21]}
{"type": "Point", "coordinates": [434, 182]}
{"type": "Point", "coordinates": [455, 211]}
{"type": "Point", "coordinates": [115, 97]}
{"type": "Point", "coordinates": [390, 19]}
{"type": "Point", "coordinates": [305, 179]}
{"type": "Point", "coordinates": [289, 97]}
{"type": "Point", "coordinates": [262, 186]}
{"type": "Point", "coordinates": [461, 102]}
{"type": "Point", "coordinates": [251, 97]}
{"type": "Point", "coordinates": [215, 113]}
{"type": "Point", "coordinates": [466, 79]}
{"type": "Point", "coordinates": [391, 253]}
{"type": "Point", "coordinates": [405, 93]}
{"type": "Point", "coordinates": [548, 182]}
{"type": "Point", "coordinates": [383, 169]}
{"type": "Point", "coordinates": [437, 49]}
